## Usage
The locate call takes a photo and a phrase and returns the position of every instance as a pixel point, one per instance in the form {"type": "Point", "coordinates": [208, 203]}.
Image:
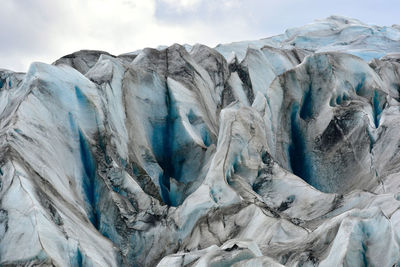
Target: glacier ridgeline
{"type": "Point", "coordinates": [281, 151]}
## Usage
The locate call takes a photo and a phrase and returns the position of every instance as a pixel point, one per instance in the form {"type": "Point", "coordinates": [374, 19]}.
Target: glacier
{"type": "Point", "coordinates": [276, 152]}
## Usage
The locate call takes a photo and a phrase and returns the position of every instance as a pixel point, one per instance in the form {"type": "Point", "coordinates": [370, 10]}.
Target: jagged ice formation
{"type": "Point", "coordinates": [281, 151]}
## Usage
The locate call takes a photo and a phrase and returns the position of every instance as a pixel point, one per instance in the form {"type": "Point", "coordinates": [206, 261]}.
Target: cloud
{"type": "Point", "coordinates": [182, 5]}
{"type": "Point", "coordinates": [44, 30]}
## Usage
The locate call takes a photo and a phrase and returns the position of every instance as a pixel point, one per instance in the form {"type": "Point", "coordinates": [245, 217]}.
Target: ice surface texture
{"type": "Point", "coordinates": [281, 151]}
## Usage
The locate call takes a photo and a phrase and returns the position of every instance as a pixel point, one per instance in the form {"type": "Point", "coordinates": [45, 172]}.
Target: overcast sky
{"type": "Point", "coordinates": [44, 30]}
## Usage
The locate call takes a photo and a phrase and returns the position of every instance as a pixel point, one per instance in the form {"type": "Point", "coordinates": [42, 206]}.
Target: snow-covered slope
{"type": "Point", "coordinates": [282, 151]}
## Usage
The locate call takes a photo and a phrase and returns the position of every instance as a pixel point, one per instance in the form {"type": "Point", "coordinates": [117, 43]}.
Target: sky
{"type": "Point", "coordinates": [45, 30]}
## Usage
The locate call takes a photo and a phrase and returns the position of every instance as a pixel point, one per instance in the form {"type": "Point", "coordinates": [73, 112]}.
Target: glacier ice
{"type": "Point", "coordinates": [276, 152]}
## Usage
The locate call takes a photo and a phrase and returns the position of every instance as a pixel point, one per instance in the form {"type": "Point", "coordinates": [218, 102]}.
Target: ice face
{"type": "Point", "coordinates": [276, 152]}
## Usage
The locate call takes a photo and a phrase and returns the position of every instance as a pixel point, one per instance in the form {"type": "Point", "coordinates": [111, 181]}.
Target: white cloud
{"type": "Point", "coordinates": [115, 26]}
{"type": "Point", "coordinates": [44, 30]}
{"type": "Point", "coordinates": [182, 4]}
